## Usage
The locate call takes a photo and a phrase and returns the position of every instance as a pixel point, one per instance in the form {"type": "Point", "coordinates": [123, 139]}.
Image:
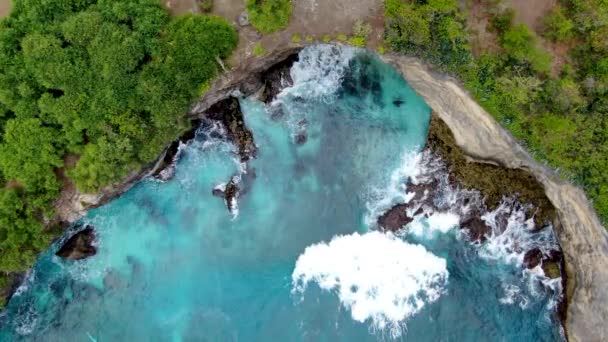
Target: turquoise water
{"type": "Point", "coordinates": [174, 264]}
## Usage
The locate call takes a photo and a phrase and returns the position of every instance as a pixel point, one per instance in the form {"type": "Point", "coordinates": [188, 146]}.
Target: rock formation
{"type": "Point", "coordinates": [79, 246]}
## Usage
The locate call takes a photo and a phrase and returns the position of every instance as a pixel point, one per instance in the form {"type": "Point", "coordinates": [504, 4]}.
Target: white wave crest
{"type": "Point", "coordinates": [511, 242]}
{"type": "Point", "coordinates": [319, 71]}
{"type": "Point", "coordinates": [378, 276]}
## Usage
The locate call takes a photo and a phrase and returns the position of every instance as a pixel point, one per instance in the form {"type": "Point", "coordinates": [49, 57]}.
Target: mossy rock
{"type": "Point", "coordinates": [492, 181]}
{"type": "Point", "coordinates": [551, 269]}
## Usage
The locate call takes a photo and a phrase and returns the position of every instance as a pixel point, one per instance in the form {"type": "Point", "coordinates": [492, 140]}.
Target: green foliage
{"type": "Point", "coordinates": [258, 50]}
{"type": "Point", "coordinates": [521, 45]}
{"type": "Point", "coordinates": [296, 38]}
{"type": "Point", "coordinates": [21, 236]}
{"type": "Point", "coordinates": [109, 80]}
{"type": "Point", "coordinates": [562, 119]}
{"type": "Point", "coordinates": [431, 29]}
{"type": "Point", "coordinates": [269, 16]}
{"type": "Point", "coordinates": [326, 38]}
{"type": "Point", "coordinates": [361, 30]}
{"type": "Point", "coordinates": [309, 38]}
{"type": "Point", "coordinates": [558, 27]}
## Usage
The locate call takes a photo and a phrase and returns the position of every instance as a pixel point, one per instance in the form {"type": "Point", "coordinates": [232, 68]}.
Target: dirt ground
{"type": "Point", "coordinates": [531, 12]}
{"type": "Point", "coordinates": [5, 7]}
{"type": "Point", "coordinates": [528, 12]}
{"type": "Point", "coordinates": [310, 18]}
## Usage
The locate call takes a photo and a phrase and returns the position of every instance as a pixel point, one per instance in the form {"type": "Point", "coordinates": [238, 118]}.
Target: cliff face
{"type": "Point", "coordinates": [583, 239]}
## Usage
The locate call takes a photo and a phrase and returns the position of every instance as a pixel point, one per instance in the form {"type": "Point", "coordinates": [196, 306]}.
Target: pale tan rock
{"type": "Point", "coordinates": [583, 238]}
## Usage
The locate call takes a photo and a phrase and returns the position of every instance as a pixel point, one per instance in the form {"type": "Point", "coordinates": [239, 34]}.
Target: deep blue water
{"type": "Point", "coordinates": [174, 264]}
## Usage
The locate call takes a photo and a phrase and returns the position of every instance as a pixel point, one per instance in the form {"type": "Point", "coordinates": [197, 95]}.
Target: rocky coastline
{"type": "Point", "coordinates": [478, 145]}
{"type": "Point", "coordinates": [481, 140]}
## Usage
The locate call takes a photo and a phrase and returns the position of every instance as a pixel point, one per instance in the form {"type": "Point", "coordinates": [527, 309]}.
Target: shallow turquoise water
{"type": "Point", "coordinates": [174, 264]}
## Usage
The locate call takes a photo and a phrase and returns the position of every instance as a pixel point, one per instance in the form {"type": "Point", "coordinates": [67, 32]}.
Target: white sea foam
{"type": "Point", "coordinates": [383, 198]}
{"type": "Point", "coordinates": [520, 235]}
{"type": "Point", "coordinates": [439, 222]}
{"type": "Point", "coordinates": [319, 71]}
{"type": "Point", "coordinates": [379, 277]}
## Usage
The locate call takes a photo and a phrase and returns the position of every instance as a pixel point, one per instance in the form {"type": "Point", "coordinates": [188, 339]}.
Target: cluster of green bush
{"type": "Point", "coordinates": [269, 16]}
{"type": "Point", "coordinates": [562, 117]}
{"type": "Point", "coordinates": [107, 80]}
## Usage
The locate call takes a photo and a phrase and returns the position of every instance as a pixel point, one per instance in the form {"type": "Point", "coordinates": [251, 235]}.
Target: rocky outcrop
{"type": "Point", "coordinates": [228, 113]}
{"type": "Point", "coordinates": [79, 246]}
{"type": "Point", "coordinates": [481, 139]}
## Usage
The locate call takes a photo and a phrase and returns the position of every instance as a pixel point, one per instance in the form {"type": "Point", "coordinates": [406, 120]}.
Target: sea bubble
{"type": "Point", "coordinates": [378, 277]}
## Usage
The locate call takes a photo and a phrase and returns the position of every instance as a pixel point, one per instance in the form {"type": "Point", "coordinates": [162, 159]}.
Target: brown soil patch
{"type": "Point", "coordinates": [478, 22]}
{"type": "Point", "coordinates": [178, 7]}
{"type": "Point", "coordinates": [531, 12]}
{"type": "Point", "coordinates": [310, 18]}
{"type": "Point", "coordinates": [5, 7]}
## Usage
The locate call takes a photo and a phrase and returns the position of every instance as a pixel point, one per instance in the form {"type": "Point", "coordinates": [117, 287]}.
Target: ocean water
{"type": "Point", "coordinates": [299, 258]}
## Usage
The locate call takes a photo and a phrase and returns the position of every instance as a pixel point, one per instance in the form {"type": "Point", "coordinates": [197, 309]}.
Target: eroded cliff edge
{"type": "Point", "coordinates": [583, 238]}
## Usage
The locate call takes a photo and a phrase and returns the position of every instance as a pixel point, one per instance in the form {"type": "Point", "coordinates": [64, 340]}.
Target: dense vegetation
{"type": "Point", "coordinates": [108, 81]}
{"type": "Point", "coordinates": [561, 115]}
{"type": "Point", "coordinates": [269, 16]}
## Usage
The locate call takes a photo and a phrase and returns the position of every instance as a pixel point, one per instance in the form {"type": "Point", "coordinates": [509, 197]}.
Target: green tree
{"type": "Point", "coordinates": [269, 16]}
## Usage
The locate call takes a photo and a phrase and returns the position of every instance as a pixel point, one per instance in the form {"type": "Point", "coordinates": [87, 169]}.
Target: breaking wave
{"type": "Point", "coordinates": [377, 276]}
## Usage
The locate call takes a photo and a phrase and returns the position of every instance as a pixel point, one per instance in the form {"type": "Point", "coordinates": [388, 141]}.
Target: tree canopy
{"type": "Point", "coordinates": [107, 80]}
{"type": "Point", "coordinates": [560, 115]}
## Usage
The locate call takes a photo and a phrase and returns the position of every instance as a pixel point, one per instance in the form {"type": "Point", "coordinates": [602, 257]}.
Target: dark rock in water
{"type": "Point", "coordinates": [532, 258]}
{"type": "Point", "coordinates": [170, 155]}
{"type": "Point", "coordinates": [398, 102]}
{"type": "Point", "coordinates": [395, 218]}
{"type": "Point", "coordinates": [477, 228]}
{"type": "Point", "coordinates": [229, 193]}
{"type": "Point", "coordinates": [277, 78]}
{"type": "Point", "coordinates": [228, 113]}
{"type": "Point", "coordinates": [79, 246]}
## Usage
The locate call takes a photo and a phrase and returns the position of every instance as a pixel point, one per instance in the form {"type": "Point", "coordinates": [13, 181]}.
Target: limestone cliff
{"type": "Point", "coordinates": [583, 238]}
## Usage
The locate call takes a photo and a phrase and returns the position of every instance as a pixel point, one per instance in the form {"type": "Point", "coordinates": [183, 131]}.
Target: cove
{"type": "Point", "coordinates": [299, 256]}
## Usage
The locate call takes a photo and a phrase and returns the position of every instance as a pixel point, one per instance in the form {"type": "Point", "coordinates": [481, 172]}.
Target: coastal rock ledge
{"type": "Point", "coordinates": [582, 237]}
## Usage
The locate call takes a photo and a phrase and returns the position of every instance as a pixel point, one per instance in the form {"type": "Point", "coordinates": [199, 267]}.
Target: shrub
{"type": "Point", "coordinates": [108, 80]}
{"type": "Point", "coordinates": [357, 41]}
{"type": "Point", "coordinates": [269, 16]}
{"type": "Point", "coordinates": [558, 27]}
{"type": "Point", "coordinates": [296, 38]}
{"type": "Point", "coordinates": [258, 50]}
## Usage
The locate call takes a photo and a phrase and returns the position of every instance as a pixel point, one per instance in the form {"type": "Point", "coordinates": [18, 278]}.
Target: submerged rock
{"type": "Point", "coordinates": [79, 246]}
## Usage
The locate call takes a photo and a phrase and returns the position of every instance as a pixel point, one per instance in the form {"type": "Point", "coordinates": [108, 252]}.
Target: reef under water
{"type": "Point", "coordinates": [337, 226]}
